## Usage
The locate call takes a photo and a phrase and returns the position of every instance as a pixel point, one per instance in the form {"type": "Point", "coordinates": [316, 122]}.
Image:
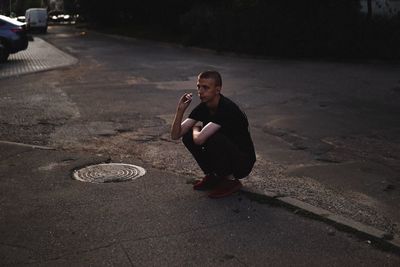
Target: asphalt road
{"type": "Point", "coordinates": [325, 133]}
{"type": "Point", "coordinates": [49, 219]}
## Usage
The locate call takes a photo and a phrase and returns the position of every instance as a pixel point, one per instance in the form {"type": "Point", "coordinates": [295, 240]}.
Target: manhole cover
{"type": "Point", "coordinates": [109, 173]}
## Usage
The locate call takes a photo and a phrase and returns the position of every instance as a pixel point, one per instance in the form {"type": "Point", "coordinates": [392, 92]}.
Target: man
{"type": "Point", "coordinates": [222, 144]}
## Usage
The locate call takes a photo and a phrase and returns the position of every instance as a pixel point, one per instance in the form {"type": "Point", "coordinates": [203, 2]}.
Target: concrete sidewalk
{"type": "Point", "coordinates": [39, 56]}
{"type": "Point", "coordinates": [49, 219]}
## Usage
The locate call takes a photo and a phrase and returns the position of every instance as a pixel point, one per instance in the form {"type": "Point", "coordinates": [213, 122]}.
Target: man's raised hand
{"type": "Point", "coordinates": [185, 101]}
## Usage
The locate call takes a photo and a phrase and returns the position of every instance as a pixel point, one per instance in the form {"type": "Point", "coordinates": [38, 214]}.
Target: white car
{"type": "Point", "coordinates": [36, 18]}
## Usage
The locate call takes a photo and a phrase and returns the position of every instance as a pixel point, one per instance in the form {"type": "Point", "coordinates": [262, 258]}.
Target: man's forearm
{"type": "Point", "coordinates": [196, 134]}
{"type": "Point", "coordinates": [176, 125]}
{"type": "Point", "coordinates": [201, 134]}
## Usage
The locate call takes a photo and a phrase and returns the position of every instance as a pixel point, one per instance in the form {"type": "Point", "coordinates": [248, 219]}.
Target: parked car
{"type": "Point", "coordinates": [13, 37]}
{"type": "Point", "coordinates": [2, 51]}
{"type": "Point", "coordinates": [21, 18]}
{"type": "Point", "coordinates": [36, 19]}
{"type": "Point", "coordinates": [58, 17]}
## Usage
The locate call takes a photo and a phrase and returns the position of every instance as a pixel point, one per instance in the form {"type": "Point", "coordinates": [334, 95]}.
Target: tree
{"type": "Point", "coordinates": [22, 5]}
{"type": "Point", "coordinates": [369, 5]}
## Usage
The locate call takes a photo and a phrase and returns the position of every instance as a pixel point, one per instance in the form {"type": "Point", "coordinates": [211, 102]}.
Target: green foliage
{"type": "Point", "coordinates": [70, 6]}
{"type": "Point", "coordinates": [20, 6]}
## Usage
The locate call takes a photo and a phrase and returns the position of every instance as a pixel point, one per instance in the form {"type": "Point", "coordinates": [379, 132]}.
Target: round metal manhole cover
{"type": "Point", "coordinates": [109, 173]}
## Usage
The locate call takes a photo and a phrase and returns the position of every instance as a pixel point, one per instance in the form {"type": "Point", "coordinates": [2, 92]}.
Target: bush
{"type": "Point", "coordinates": [285, 27]}
{"type": "Point", "coordinates": [291, 28]}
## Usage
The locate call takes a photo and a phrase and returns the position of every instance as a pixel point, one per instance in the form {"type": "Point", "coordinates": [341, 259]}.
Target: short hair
{"type": "Point", "coordinates": [211, 74]}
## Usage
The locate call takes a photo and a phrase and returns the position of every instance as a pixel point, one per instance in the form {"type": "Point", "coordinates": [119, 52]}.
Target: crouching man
{"type": "Point", "coordinates": [217, 134]}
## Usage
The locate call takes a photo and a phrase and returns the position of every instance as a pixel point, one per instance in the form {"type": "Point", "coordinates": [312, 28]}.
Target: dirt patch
{"type": "Point", "coordinates": [152, 146]}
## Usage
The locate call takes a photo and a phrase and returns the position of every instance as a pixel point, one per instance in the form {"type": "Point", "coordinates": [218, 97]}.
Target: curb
{"type": "Point", "coordinates": [215, 51]}
{"type": "Point", "coordinates": [26, 145]}
{"type": "Point", "coordinates": [383, 239]}
{"type": "Point", "coordinates": [159, 43]}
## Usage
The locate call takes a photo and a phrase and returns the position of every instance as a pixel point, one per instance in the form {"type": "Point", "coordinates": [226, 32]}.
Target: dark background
{"type": "Point", "coordinates": [289, 28]}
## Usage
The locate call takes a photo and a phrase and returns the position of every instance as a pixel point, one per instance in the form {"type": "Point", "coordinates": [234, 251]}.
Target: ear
{"type": "Point", "coordinates": [218, 89]}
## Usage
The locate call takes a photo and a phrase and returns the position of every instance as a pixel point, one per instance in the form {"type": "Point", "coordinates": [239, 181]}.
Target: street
{"type": "Point", "coordinates": [326, 133]}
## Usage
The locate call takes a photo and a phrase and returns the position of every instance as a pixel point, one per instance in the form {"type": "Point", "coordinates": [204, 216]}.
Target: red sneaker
{"type": "Point", "coordinates": [226, 188]}
{"type": "Point", "coordinates": [208, 182]}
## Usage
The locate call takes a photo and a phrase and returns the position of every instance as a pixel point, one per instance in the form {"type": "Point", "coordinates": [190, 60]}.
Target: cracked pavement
{"type": "Point", "coordinates": [49, 219]}
{"type": "Point", "coordinates": [326, 133]}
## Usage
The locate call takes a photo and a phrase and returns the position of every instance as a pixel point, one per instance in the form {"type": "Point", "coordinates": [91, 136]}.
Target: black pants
{"type": "Point", "coordinates": [219, 156]}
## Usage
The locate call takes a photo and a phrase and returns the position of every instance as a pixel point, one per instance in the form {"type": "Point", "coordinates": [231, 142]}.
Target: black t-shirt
{"type": "Point", "coordinates": [232, 120]}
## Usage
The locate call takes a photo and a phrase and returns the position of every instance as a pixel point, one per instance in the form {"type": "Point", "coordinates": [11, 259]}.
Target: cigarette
{"type": "Point", "coordinates": [188, 98]}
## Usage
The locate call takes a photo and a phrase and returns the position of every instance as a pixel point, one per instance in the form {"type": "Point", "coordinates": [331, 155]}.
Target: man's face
{"type": "Point", "coordinates": [207, 90]}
